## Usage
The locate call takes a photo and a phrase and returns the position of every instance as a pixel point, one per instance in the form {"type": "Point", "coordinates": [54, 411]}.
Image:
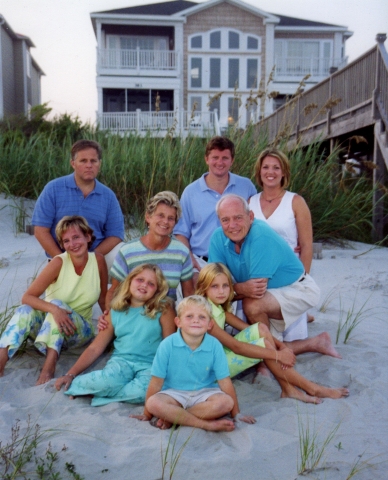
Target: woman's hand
{"type": "Point", "coordinates": [64, 380]}
{"type": "Point", "coordinates": [286, 357]}
{"type": "Point", "coordinates": [64, 322]}
{"type": "Point", "coordinates": [102, 321]}
{"type": "Point", "coordinates": [245, 418]}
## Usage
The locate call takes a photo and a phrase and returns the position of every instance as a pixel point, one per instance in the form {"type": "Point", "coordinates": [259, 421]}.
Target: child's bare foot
{"type": "Point", "coordinates": [45, 376]}
{"type": "Point", "coordinates": [220, 425]}
{"type": "Point", "coordinates": [3, 360]}
{"type": "Point", "coordinates": [322, 344]}
{"type": "Point", "coordinates": [160, 423]}
{"type": "Point", "coordinates": [310, 318]}
{"type": "Point", "coordinates": [335, 393]}
{"type": "Point", "coordinates": [292, 392]}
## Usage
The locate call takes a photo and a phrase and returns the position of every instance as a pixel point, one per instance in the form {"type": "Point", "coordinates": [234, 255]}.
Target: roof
{"type": "Point", "coordinates": [164, 8]}
{"type": "Point", "coordinates": [299, 22]}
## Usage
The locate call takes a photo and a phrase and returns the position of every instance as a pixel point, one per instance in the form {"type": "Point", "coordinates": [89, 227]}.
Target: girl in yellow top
{"type": "Point", "coordinates": [74, 281]}
{"type": "Point", "coordinates": [255, 343]}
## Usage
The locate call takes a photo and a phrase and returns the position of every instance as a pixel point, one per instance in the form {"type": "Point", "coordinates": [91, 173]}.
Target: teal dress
{"type": "Point", "coordinates": [126, 376]}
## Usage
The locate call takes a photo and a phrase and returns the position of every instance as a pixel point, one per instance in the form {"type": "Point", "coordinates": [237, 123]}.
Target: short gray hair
{"type": "Point", "coordinates": [168, 198]}
{"type": "Point", "coordinates": [242, 200]}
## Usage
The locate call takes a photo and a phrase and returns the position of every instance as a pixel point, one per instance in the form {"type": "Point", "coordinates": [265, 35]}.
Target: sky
{"type": "Point", "coordinates": [65, 42]}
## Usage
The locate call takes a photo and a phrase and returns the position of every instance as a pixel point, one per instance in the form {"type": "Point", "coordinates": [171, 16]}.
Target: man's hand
{"type": "Point", "coordinates": [254, 288]}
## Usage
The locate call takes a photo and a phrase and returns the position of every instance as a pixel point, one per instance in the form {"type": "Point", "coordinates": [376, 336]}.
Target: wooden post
{"type": "Point", "coordinates": [378, 179]}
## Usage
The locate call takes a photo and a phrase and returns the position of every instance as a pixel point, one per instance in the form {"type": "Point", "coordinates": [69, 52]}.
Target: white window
{"type": "Point", "coordinates": [234, 72]}
{"type": "Point", "coordinates": [252, 73]}
{"type": "Point", "coordinates": [196, 42]}
{"type": "Point", "coordinates": [233, 40]}
{"type": "Point", "coordinates": [215, 73]}
{"type": "Point", "coordinates": [215, 39]}
{"type": "Point", "coordinates": [196, 103]}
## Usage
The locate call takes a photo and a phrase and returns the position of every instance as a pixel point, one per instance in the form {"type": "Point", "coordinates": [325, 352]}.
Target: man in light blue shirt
{"type": "Point", "coordinates": [199, 199]}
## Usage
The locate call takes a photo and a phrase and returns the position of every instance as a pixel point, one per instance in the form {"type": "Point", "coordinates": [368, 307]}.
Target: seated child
{"type": "Point", "coordinates": [187, 366]}
{"type": "Point", "coordinates": [140, 318]}
{"type": "Point", "coordinates": [255, 343]}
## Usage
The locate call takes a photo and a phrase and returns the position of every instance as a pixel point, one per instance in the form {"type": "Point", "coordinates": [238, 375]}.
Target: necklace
{"type": "Point", "coordinates": [272, 199]}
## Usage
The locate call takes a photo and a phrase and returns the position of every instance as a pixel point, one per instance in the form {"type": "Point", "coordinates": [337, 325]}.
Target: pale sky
{"type": "Point", "coordinates": [66, 45]}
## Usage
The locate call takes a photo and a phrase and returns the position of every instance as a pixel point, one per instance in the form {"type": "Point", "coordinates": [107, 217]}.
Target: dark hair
{"type": "Point", "coordinates": [83, 145]}
{"type": "Point", "coordinates": [219, 143]}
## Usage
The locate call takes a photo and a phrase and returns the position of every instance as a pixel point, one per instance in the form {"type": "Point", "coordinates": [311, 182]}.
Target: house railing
{"type": "Point", "coordinates": [301, 66]}
{"type": "Point", "coordinates": [174, 122]}
{"type": "Point", "coordinates": [350, 89]}
{"type": "Point", "coordinates": [137, 59]}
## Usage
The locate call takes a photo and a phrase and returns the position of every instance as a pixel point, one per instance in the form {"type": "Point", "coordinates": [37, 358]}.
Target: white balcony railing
{"type": "Point", "coordinates": [137, 59]}
{"type": "Point", "coordinates": [301, 66]}
{"type": "Point", "coordinates": [177, 123]}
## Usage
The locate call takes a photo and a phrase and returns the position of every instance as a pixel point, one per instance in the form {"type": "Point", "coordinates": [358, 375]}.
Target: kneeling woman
{"type": "Point", "coordinates": [255, 343]}
{"type": "Point", "coordinates": [141, 316]}
{"type": "Point", "coordinates": [74, 281]}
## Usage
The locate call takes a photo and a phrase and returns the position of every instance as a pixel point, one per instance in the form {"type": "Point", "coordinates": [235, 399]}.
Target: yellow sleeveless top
{"type": "Point", "coordinates": [80, 292]}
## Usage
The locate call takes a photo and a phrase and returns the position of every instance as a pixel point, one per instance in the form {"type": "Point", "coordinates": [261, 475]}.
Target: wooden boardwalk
{"type": "Point", "coordinates": [353, 98]}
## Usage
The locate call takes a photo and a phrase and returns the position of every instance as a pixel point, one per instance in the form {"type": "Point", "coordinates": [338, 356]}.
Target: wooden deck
{"type": "Point", "coordinates": [355, 97]}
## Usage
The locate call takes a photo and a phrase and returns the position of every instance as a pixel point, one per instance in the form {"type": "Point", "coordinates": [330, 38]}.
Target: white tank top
{"type": "Point", "coordinates": [282, 219]}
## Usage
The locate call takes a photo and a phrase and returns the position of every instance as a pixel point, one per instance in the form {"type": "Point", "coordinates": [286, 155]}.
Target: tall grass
{"type": "Point", "coordinates": [136, 168]}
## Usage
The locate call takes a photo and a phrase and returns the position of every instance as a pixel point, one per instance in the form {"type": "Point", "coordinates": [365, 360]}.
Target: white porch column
{"type": "Point", "coordinates": [269, 61]}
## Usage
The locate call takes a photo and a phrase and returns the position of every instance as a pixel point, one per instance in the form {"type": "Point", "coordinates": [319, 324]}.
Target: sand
{"type": "Point", "coordinates": [104, 443]}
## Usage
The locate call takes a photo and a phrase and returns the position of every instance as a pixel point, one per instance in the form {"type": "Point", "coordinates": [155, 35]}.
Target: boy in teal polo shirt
{"type": "Point", "coordinates": [190, 383]}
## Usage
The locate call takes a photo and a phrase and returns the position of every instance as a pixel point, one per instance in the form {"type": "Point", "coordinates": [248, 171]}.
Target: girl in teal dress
{"type": "Point", "coordinates": [255, 343]}
{"type": "Point", "coordinates": [141, 316]}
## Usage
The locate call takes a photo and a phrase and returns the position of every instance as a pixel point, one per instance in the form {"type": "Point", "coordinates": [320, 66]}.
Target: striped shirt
{"type": "Point", "coordinates": [174, 261]}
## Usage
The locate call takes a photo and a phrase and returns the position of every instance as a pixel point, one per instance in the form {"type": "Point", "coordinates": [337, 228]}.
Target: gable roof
{"type": "Point", "coordinates": [164, 8]}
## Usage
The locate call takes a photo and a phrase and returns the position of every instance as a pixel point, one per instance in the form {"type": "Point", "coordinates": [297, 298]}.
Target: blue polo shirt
{"type": "Point", "coordinates": [186, 369]}
{"type": "Point", "coordinates": [199, 218]}
{"type": "Point", "coordinates": [264, 254]}
{"type": "Point", "coordinates": [62, 197]}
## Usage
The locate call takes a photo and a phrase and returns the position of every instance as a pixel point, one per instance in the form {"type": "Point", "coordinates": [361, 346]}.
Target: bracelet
{"type": "Point", "coordinates": [69, 375]}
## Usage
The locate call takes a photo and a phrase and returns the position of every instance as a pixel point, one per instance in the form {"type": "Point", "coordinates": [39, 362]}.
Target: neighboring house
{"type": "Point", "coordinates": [19, 73]}
{"type": "Point", "coordinates": [184, 61]}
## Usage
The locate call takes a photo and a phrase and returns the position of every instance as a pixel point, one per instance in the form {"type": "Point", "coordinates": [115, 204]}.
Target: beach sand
{"type": "Point", "coordinates": [104, 443]}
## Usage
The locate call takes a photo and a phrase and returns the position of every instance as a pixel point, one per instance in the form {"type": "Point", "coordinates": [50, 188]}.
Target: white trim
{"type": "Point", "coordinates": [224, 48]}
{"type": "Point", "coordinates": [313, 29]}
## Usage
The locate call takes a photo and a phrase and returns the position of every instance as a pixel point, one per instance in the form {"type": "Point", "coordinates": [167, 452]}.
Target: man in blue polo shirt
{"type": "Point", "coordinates": [270, 279]}
{"type": "Point", "coordinates": [198, 201]}
{"type": "Point", "coordinates": [80, 193]}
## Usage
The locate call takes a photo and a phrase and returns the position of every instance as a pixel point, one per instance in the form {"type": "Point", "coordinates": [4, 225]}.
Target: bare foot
{"type": "Point", "coordinates": [292, 392]}
{"type": "Point", "coordinates": [221, 425]}
{"type": "Point", "coordinates": [45, 376]}
{"type": "Point", "coordinates": [261, 370]}
{"type": "Point", "coordinates": [322, 344]}
{"type": "Point", "coordinates": [335, 393]}
{"type": "Point", "coordinates": [3, 360]}
{"type": "Point", "coordinates": [310, 318]}
{"type": "Point", "coordinates": [160, 423]}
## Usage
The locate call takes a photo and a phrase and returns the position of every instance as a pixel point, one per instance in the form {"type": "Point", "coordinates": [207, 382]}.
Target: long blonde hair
{"type": "Point", "coordinates": [206, 278]}
{"type": "Point", "coordinates": [159, 302]}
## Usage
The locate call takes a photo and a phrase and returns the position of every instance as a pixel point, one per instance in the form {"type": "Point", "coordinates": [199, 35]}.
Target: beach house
{"type": "Point", "coordinates": [20, 75]}
{"type": "Point", "coordinates": [190, 66]}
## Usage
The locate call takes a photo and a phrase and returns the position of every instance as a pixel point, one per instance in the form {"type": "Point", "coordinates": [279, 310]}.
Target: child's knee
{"type": "Point", "coordinates": [264, 330]}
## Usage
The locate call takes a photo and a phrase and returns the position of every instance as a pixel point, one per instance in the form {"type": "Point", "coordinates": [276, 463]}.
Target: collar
{"type": "Point", "coordinates": [70, 183]}
{"type": "Point", "coordinates": [203, 184]}
{"type": "Point", "coordinates": [218, 314]}
{"type": "Point", "coordinates": [179, 342]}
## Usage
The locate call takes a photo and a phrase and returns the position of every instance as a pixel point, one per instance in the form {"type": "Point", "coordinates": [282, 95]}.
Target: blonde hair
{"type": "Point", "coordinates": [159, 302]}
{"type": "Point", "coordinates": [73, 221]}
{"type": "Point", "coordinates": [196, 300]}
{"type": "Point", "coordinates": [206, 278]}
{"type": "Point", "coordinates": [284, 165]}
{"type": "Point", "coordinates": [168, 198]}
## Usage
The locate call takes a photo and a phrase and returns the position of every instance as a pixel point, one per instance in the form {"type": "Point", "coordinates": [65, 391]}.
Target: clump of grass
{"type": "Point", "coordinates": [19, 457]}
{"type": "Point", "coordinates": [353, 318]}
{"type": "Point", "coordinates": [172, 455]}
{"type": "Point", "coordinates": [359, 466]}
{"type": "Point", "coordinates": [327, 300]}
{"type": "Point", "coordinates": [311, 447]}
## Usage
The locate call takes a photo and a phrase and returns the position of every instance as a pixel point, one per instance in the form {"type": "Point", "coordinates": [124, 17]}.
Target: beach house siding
{"type": "Point", "coordinates": [20, 75]}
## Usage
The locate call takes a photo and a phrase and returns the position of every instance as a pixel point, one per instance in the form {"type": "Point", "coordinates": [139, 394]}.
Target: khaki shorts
{"type": "Point", "coordinates": [294, 300]}
{"type": "Point", "coordinates": [189, 398]}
